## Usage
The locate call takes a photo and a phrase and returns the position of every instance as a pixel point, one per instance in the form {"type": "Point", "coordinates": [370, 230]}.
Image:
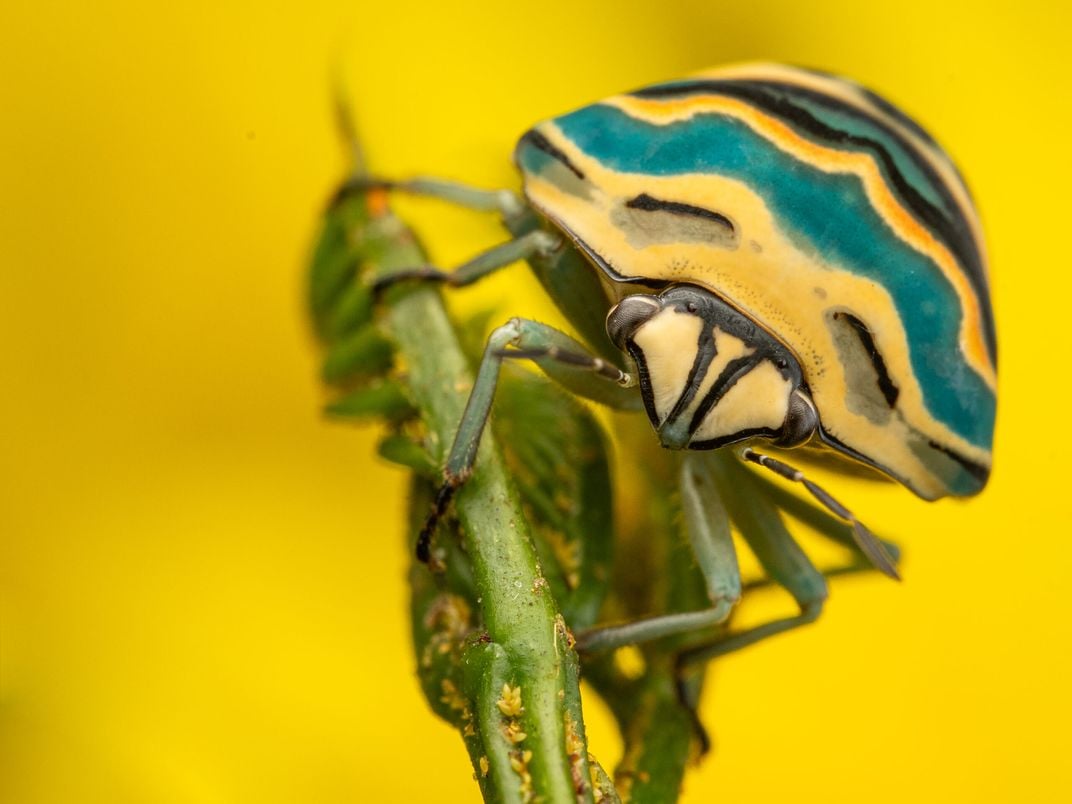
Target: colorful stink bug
{"type": "Point", "coordinates": [772, 256]}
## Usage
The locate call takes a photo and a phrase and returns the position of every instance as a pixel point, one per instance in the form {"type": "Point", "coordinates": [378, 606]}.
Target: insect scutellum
{"type": "Point", "coordinates": [710, 376]}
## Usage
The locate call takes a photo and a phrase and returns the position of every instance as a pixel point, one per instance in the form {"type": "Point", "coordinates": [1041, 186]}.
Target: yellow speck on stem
{"type": "Point", "coordinates": [576, 752]}
{"type": "Point", "coordinates": [574, 743]}
{"type": "Point", "coordinates": [513, 732]}
{"type": "Point", "coordinates": [452, 698]}
{"type": "Point", "coordinates": [485, 766]}
{"type": "Point", "coordinates": [451, 619]}
{"type": "Point", "coordinates": [597, 791]}
{"type": "Point", "coordinates": [509, 702]}
{"type": "Point", "coordinates": [519, 761]}
{"type": "Point", "coordinates": [564, 633]}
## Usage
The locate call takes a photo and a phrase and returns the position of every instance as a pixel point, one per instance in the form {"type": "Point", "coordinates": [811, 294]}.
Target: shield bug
{"type": "Point", "coordinates": [760, 257]}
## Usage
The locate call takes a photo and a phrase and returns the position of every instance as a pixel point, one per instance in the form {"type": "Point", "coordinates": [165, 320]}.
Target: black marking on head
{"type": "Point", "coordinates": [885, 384]}
{"type": "Point", "coordinates": [541, 143]}
{"type": "Point", "coordinates": [718, 312]}
{"type": "Point", "coordinates": [733, 371]}
{"type": "Point", "coordinates": [706, 351]}
{"type": "Point", "coordinates": [649, 204]}
{"type": "Point", "coordinates": [714, 313]}
{"type": "Point", "coordinates": [733, 438]}
{"type": "Point", "coordinates": [644, 379]}
{"type": "Point", "coordinates": [777, 97]}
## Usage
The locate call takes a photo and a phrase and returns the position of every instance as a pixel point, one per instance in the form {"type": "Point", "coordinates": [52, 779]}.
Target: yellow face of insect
{"type": "Point", "coordinates": [707, 387]}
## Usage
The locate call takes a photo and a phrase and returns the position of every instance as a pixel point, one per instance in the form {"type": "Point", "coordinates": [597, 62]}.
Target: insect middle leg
{"type": "Point", "coordinates": [562, 358]}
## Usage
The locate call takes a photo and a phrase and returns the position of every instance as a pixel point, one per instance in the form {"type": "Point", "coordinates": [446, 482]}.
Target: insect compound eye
{"type": "Point", "coordinates": [801, 421]}
{"type": "Point", "coordinates": [628, 315]}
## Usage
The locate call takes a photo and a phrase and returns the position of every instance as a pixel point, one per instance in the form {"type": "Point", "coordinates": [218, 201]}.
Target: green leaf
{"type": "Point", "coordinates": [363, 354]}
{"type": "Point", "coordinates": [386, 400]}
{"type": "Point", "coordinates": [334, 260]}
{"type": "Point", "coordinates": [351, 311]}
{"type": "Point", "coordinates": [404, 451]}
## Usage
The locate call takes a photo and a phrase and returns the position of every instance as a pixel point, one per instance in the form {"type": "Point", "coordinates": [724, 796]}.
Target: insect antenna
{"type": "Point", "coordinates": [869, 544]}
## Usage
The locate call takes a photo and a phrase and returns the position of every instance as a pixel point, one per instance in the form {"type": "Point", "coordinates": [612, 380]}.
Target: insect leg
{"type": "Point", "coordinates": [500, 256]}
{"type": "Point", "coordinates": [506, 202]}
{"type": "Point", "coordinates": [868, 543]}
{"type": "Point", "coordinates": [708, 527]}
{"type": "Point", "coordinates": [561, 357]}
{"type": "Point", "coordinates": [781, 557]}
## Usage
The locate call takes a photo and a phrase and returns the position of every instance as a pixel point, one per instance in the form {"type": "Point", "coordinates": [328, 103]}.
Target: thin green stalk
{"type": "Point", "coordinates": [505, 673]}
{"type": "Point", "coordinates": [520, 617]}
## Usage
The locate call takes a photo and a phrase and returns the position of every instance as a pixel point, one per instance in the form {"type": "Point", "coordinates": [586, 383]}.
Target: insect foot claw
{"type": "Point", "coordinates": [439, 507]}
{"type": "Point", "coordinates": [424, 541]}
{"type": "Point", "coordinates": [685, 698]}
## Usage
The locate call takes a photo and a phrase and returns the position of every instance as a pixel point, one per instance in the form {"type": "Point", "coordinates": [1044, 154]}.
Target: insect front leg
{"type": "Point", "coordinates": [708, 528]}
{"type": "Point", "coordinates": [562, 358]}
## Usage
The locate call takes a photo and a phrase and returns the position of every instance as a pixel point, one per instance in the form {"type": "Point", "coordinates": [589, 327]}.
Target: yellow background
{"type": "Point", "coordinates": [202, 581]}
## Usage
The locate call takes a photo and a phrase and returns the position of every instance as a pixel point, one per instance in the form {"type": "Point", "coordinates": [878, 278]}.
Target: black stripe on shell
{"type": "Point", "coordinates": [776, 98]}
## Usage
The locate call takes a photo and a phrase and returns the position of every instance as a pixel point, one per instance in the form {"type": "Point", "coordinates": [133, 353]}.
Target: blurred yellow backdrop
{"type": "Point", "coordinates": [202, 582]}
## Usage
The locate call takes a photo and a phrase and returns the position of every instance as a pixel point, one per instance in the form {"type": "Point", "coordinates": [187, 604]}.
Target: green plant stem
{"type": "Point", "coordinates": [526, 644]}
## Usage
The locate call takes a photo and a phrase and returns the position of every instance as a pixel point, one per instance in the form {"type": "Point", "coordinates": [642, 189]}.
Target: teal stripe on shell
{"type": "Point", "coordinates": [845, 120]}
{"type": "Point", "coordinates": [854, 125]}
{"type": "Point", "coordinates": [826, 214]}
